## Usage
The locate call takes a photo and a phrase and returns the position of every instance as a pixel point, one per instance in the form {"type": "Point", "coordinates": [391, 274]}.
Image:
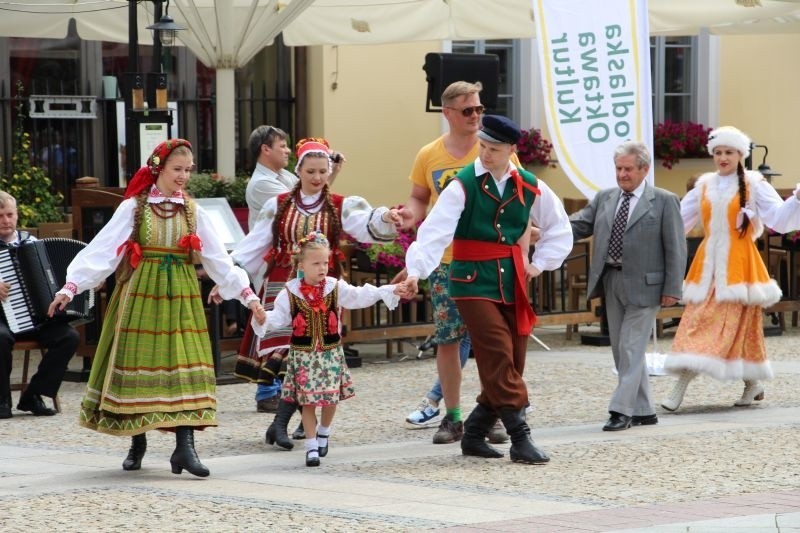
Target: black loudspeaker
{"type": "Point", "coordinates": [443, 69]}
{"type": "Point", "coordinates": [156, 86]}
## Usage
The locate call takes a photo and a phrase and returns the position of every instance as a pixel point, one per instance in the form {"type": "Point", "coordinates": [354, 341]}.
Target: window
{"type": "Point", "coordinates": [507, 51]}
{"type": "Point", "coordinates": [673, 63]}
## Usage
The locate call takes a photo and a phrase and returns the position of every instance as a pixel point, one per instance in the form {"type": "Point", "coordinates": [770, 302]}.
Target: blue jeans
{"type": "Point", "coordinates": [463, 353]}
{"type": "Point", "coordinates": [264, 391]}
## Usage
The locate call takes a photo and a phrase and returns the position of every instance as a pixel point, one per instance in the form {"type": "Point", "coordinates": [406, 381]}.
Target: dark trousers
{"type": "Point", "coordinates": [499, 353]}
{"type": "Point", "coordinates": [60, 341]}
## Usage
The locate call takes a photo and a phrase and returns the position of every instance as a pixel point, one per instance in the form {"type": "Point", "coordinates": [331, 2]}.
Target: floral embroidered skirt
{"type": "Point", "coordinates": [724, 340]}
{"type": "Point", "coordinates": [317, 377]}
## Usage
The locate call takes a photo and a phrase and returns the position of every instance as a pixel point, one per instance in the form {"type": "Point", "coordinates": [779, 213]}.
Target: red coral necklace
{"type": "Point", "coordinates": [307, 207]}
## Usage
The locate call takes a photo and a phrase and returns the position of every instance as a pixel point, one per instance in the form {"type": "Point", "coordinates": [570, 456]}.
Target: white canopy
{"type": "Point", "coordinates": [387, 21]}
{"type": "Point", "coordinates": [226, 34]}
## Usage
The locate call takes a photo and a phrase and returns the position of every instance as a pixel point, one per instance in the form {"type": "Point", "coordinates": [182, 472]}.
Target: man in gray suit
{"type": "Point", "coordinates": [638, 263]}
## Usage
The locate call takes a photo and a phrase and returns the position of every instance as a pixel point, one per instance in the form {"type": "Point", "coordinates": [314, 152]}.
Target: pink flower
{"type": "Point", "coordinates": [302, 376]}
{"type": "Point", "coordinates": [532, 148]}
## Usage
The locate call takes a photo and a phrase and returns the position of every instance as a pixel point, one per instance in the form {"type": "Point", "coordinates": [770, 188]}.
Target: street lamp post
{"type": "Point", "coordinates": [147, 116]}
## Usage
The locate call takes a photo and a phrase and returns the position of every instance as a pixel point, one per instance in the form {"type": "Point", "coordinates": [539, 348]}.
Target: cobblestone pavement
{"type": "Point", "coordinates": [708, 462]}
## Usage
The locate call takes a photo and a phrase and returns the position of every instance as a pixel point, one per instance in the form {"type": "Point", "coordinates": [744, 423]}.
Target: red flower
{"type": "Point", "coordinates": [302, 376]}
{"type": "Point", "coordinates": [532, 148]}
{"type": "Point", "coordinates": [674, 140]}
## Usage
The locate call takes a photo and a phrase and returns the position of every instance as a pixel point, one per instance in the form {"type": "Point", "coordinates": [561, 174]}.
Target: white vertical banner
{"type": "Point", "coordinates": [595, 72]}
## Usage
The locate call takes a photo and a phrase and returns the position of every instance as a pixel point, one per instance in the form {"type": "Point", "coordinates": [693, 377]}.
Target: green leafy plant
{"type": "Point", "coordinates": [37, 201]}
{"type": "Point", "coordinates": [675, 140]}
{"type": "Point", "coordinates": [237, 189]}
{"type": "Point", "coordinates": [213, 185]}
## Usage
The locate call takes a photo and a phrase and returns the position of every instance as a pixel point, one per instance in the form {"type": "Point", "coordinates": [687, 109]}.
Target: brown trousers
{"type": "Point", "coordinates": [499, 353]}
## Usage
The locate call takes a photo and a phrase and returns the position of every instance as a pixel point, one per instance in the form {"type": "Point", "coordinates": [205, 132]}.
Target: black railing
{"type": "Point", "coordinates": [69, 148]}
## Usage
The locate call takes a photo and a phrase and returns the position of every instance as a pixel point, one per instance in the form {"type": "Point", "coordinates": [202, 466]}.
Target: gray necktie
{"type": "Point", "coordinates": [618, 229]}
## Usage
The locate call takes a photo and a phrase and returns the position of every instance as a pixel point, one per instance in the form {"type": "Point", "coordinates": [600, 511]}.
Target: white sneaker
{"type": "Point", "coordinates": [427, 415]}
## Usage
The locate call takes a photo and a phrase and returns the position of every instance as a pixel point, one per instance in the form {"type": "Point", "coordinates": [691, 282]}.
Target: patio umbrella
{"type": "Point", "coordinates": [226, 34]}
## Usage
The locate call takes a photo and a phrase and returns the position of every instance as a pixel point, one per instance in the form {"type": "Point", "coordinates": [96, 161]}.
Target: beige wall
{"type": "Point", "coordinates": [375, 116]}
{"type": "Point", "coordinates": [760, 76]}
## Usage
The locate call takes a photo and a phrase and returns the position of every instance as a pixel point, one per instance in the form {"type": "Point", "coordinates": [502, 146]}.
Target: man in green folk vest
{"type": "Point", "coordinates": [486, 212]}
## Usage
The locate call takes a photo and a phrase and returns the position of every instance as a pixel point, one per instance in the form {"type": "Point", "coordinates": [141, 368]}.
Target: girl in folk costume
{"type": "Point", "coordinates": [283, 220]}
{"type": "Point", "coordinates": [153, 367]}
{"type": "Point", "coordinates": [727, 286]}
{"type": "Point", "coordinates": [309, 306]}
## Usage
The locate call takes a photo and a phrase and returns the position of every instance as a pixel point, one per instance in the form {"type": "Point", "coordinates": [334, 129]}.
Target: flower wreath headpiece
{"type": "Point", "coordinates": [314, 236]}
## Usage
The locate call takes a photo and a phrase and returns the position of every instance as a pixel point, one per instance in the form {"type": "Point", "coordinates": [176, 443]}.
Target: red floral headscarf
{"type": "Point", "coordinates": [146, 175]}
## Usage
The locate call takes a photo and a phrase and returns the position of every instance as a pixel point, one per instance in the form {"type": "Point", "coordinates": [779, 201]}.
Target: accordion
{"type": "Point", "coordinates": [36, 270]}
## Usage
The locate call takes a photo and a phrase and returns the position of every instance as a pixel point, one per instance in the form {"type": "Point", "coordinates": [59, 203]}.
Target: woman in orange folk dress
{"type": "Point", "coordinates": [721, 331]}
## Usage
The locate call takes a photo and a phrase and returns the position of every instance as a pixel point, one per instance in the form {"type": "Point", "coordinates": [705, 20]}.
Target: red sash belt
{"type": "Point", "coordinates": [470, 250]}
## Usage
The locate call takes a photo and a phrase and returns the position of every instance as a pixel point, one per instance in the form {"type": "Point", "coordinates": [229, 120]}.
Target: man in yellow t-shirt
{"type": "Point", "coordinates": [435, 166]}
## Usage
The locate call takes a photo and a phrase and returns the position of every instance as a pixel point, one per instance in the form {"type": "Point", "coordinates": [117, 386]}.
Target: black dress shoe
{"type": "Point", "coordinates": [323, 450]}
{"type": "Point", "coordinates": [34, 404]}
{"type": "Point", "coordinates": [617, 422]}
{"type": "Point", "coordinates": [646, 420]}
{"type": "Point", "coordinates": [312, 461]}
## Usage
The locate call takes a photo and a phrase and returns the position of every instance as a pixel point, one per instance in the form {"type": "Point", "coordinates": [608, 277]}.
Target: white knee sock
{"type": "Point", "coordinates": [322, 430]}
{"type": "Point", "coordinates": [312, 447]}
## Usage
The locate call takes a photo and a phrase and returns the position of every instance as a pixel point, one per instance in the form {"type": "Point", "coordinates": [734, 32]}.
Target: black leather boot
{"type": "Point", "coordinates": [185, 455]}
{"type": "Point", "coordinates": [134, 459]}
{"type": "Point", "coordinates": [523, 450]}
{"type": "Point", "coordinates": [277, 431]}
{"type": "Point", "coordinates": [5, 406]}
{"type": "Point", "coordinates": [299, 433]}
{"type": "Point", "coordinates": [476, 427]}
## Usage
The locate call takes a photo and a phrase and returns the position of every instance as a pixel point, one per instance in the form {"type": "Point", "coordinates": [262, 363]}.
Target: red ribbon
{"type": "Point", "coordinates": [471, 250]}
{"type": "Point", "coordinates": [313, 295]}
{"type": "Point", "coordinates": [520, 183]}
{"type": "Point", "coordinates": [190, 242]}
{"type": "Point", "coordinates": [134, 251]}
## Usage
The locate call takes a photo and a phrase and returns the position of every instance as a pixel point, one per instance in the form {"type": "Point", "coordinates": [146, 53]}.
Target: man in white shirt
{"type": "Point", "coordinates": [270, 178]}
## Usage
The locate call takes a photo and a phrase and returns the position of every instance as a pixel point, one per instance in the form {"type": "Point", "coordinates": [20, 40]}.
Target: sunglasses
{"type": "Point", "coordinates": [468, 111]}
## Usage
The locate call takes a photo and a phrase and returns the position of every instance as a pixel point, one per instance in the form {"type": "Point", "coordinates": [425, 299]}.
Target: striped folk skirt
{"type": "Point", "coordinates": [153, 367]}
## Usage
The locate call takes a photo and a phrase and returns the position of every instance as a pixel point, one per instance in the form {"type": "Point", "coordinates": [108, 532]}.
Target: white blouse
{"type": "Point", "coordinates": [350, 297]}
{"type": "Point", "coordinates": [99, 259]}
{"type": "Point", "coordinates": [436, 233]}
{"type": "Point", "coordinates": [359, 220]}
{"type": "Point", "coordinates": [774, 212]}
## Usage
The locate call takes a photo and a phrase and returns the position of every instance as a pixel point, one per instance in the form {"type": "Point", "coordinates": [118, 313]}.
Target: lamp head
{"type": "Point", "coordinates": [166, 30]}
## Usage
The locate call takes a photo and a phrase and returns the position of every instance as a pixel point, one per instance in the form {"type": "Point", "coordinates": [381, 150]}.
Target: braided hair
{"type": "Point", "coordinates": [742, 199]}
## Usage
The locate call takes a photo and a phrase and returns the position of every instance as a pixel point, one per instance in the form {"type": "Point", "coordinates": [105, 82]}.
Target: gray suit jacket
{"type": "Point", "coordinates": [653, 246]}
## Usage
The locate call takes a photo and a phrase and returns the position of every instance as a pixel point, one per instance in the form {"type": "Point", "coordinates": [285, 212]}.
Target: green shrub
{"type": "Point", "coordinates": [37, 201]}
